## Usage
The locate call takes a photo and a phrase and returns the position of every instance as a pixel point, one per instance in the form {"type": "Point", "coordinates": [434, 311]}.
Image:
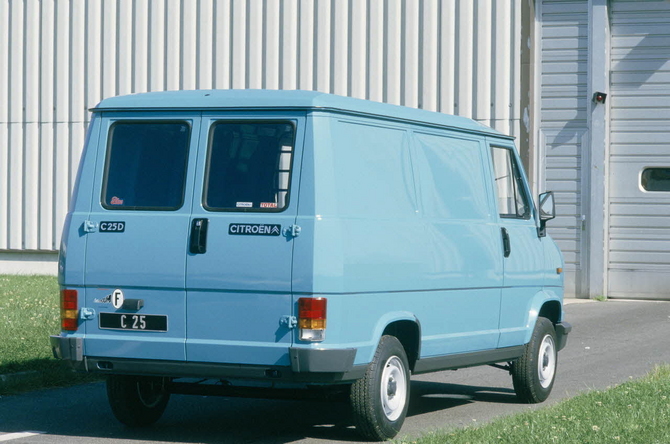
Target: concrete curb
{"type": "Point", "coordinates": [13, 378]}
{"type": "Point", "coordinates": [570, 301]}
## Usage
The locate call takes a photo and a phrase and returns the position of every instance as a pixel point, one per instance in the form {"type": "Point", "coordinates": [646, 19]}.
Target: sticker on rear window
{"type": "Point", "coordinates": [268, 205]}
{"type": "Point", "coordinates": [254, 229]}
{"type": "Point", "coordinates": [244, 204]}
{"type": "Point", "coordinates": [116, 201]}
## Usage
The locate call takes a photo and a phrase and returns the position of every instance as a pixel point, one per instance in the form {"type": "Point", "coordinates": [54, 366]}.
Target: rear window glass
{"type": "Point", "coordinates": [146, 166]}
{"type": "Point", "coordinates": [249, 166]}
{"type": "Point", "coordinates": [656, 179]}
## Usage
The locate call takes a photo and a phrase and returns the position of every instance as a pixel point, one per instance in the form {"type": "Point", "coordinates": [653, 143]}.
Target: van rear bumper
{"type": "Point", "coordinates": [307, 365]}
{"type": "Point", "coordinates": [67, 348]}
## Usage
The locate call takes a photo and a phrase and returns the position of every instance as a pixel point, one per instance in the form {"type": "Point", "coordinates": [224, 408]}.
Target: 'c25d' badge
{"type": "Point", "coordinates": [112, 227]}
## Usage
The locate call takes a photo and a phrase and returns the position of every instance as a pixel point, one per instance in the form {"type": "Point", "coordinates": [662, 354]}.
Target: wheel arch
{"type": "Point", "coordinates": [408, 332]}
{"type": "Point", "coordinates": [406, 328]}
{"type": "Point", "coordinates": [547, 305]}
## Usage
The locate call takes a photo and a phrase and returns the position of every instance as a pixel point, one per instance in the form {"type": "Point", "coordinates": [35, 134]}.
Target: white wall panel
{"type": "Point", "coordinates": [15, 198]}
{"type": "Point", "coordinates": [503, 82]}
{"type": "Point", "coordinates": [430, 50]}
{"type": "Point", "coordinates": [306, 45]}
{"type": "Point", "coordinates": [254, 45]}
{"type": "Point", "coordinates": [60, 57]}
{"type": "Point", "coordinates": [466, 27]}
{"type": "Point", "coordinates": [4, 187]}
{"type": "Point", "coordinates": [410, 56]}
{"type": "Point", "coordinates": [358, 44]}
{"type": "Point", "coordinates": [222, 44]}
{"type": "Point", "coordinates": [173, 43]}
{"type": "Point", "coordinates": [156, 45]}
{"type": "Point", "coordinates": [322, 45]}
{"type": "Point", "coordinates": [288, 56]}
{"type": "Point", "coordinates": [4, 62]}
{"type": "Point", "coordinates": [141, 45]}
{"type": "Point", "coordinates": [447, 57]}
{"type": "Point", "coordinates": [482, 71]}
{"type": "Point", "coordinates": [272, 42]}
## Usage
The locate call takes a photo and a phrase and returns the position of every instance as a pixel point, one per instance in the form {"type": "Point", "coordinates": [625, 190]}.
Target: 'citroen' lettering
{"type": "Point", "coordinates": [254, 229]}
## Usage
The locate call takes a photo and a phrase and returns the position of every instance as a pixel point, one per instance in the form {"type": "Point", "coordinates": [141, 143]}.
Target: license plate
{"type": "Point", "coordinates": [133, 321]}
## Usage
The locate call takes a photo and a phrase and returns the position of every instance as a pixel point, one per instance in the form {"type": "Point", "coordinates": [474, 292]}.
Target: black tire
{"type": "Point", "coordinates": [380, 399]}
{"type": "Point", "coordinates": [534, 373]}
{"type": "Point", "coordinates": [137, 401]}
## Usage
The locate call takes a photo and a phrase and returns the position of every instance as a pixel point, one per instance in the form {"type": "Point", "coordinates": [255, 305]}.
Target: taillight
{"type": "Point", "coordinates": [312, 319]}
{"type": "Point", "coordinates": [69, 313]}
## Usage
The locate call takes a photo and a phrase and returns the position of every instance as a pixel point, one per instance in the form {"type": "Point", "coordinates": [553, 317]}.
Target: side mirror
{"type": "Point", "coordinates": [547, 209]}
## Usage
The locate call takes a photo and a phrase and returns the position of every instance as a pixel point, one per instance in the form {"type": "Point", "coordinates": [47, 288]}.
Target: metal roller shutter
{"type": "Point", "coordinates": [563, 130]}
{"type": "Point", "coordinates": [639, 220]}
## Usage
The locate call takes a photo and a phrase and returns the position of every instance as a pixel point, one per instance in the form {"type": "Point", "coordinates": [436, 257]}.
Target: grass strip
{"type": "Point", "coordinates": [29, 313]}
{"type": "Point", "coordinates": [634, 412]}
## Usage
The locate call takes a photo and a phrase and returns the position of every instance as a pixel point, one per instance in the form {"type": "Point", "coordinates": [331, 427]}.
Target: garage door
{"type": "Point", "coordinates": [639, 184]}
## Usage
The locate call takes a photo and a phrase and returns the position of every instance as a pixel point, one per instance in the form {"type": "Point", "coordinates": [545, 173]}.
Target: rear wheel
{"type": "Point", "coordinates": [380, 399]}
{"type": "Point", "coordinates": [533, 374]}
{"type": "Point", "coordinates": [137, 401]}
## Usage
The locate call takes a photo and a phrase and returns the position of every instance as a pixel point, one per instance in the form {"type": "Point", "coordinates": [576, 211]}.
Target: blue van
{"type": "Point", "coordinates": [249, 242]}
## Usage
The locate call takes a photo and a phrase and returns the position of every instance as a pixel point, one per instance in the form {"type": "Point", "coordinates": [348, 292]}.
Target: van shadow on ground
{"type": "Point", "coordinates": [83, 411]}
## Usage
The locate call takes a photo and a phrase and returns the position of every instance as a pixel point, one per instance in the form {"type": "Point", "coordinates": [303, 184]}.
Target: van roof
{"type": "Point", "coordinates": [284, 99]}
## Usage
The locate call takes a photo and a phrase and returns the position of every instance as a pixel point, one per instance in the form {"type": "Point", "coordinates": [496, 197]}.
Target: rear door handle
{"type": "Point", "coordinates": [507, 249]}
{"type": "Point", "coordinates": [199, 236]}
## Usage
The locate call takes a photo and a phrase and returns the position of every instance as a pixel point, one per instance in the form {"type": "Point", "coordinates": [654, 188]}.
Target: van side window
{"type": "Point", "coordinates": [512, 200]}
{"type": "Point", "coordinates": [146, 166]}
{"type": "Point", "coordinates": [249, 166]}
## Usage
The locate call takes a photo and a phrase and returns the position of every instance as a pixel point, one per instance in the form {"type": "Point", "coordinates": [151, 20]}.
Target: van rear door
{"type": "Point", "coordinates": [138, 235]}
{"type": "Point", "coordinates": [238, 276]}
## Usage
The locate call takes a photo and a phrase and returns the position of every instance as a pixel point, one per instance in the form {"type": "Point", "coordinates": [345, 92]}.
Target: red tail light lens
{"type": "Point", "coordinates": [312, 318]}
{"type": "Point", "coordinates": [312, 312]}
{"type": "Point", "coordinates": [69, 310]}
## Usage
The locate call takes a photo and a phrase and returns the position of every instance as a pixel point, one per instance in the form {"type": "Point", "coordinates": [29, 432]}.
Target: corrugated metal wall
{"type": "Point", "coordinates": [639, 223]}
{"type": "Point", "coordinates": [563, 125]}
{"type": "Point", "coordinates": [60, 57]}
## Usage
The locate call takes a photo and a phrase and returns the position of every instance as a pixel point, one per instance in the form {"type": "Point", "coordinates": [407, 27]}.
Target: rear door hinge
{"type": "Point", "coordinates": [288, 322]}
{"type": "Point", "coordinates": [293, 231]}
{"type": "Point", "coordinates": [86, 313]}
{"type": "Point", "coordinates": [90, 227]}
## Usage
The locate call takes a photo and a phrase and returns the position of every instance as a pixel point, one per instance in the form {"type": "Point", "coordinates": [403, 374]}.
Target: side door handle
{"type": "Point", "coordinates": [198, 244]}
{"type": "Point", "coordinates": [507, 249]}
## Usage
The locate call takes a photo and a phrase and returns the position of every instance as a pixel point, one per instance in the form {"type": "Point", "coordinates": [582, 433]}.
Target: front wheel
{"type": "Point", "coordinates": [533, 374]}
{"type": "Point", "coordinates": [137, 401]}
{"type": "Point", "coordinates": [379, 400]}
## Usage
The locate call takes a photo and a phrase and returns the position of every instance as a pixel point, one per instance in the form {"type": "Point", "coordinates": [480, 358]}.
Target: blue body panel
{"type": "Point", "coordinates": [398, 218]}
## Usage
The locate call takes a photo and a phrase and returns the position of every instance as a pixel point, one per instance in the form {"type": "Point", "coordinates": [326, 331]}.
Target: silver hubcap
{"type": "Point", "coordinates": [546, 365]}
{"type": "Point", "coordinates": [393, 388]}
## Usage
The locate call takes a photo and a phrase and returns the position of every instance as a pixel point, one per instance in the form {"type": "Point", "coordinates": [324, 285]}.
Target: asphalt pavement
{"type": "Point", "coordinates": [611, 342]}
